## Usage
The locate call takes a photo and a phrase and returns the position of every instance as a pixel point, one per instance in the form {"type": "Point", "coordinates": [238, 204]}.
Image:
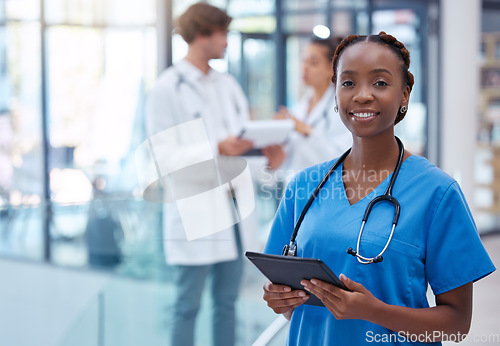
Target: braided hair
{"type": "Point", "coordinates": [385, 39]}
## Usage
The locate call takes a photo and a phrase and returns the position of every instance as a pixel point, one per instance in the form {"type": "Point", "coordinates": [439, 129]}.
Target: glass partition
{"type": "Point", "coordinates": [20, 9]}
{"type": "Point", "coordinates": [249, 8]}
{"type": "Point", "coordinates": [303, 23]}
{"type": "Point", "coordinates": [21, 231]}
{"type": "Point", "coordinates": [294, 61]}
{"type": "Point", "coordinates": [259, 64]}
{"type": "Point", "coordinates": [78, 12]}
{"type": "Point", "coordinates": [487, 167]}
{"type": "Point", "coordinates": [304, 6]}
{"type": "Point", "coordinates": [99, 61]}
{"type": "Point", "coordinates": [21, 156]}
{"type": "Point", "coordinates": [132, 312]}
{"type": "Point", "coordinates": [99, 12]}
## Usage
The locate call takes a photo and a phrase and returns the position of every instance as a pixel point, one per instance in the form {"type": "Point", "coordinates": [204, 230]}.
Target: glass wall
{"type": "Point", "coordinates": [252, 53]}
{"type": "Point", "coordinates": [79, 70]}
{"type": "Point", "coordinates": [21, 154]}
{"type": "Point", "coordinates": [487, 172]}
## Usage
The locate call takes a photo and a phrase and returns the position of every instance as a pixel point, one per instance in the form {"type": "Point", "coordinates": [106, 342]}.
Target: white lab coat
{"type": "Point", "coordinates": [183, 93]}
{"type": "Point", "coordinates": [328, 139]}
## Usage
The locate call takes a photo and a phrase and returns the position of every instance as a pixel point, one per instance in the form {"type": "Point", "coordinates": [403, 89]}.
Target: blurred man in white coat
{"type": "Point", "coordinates": [191, 90]}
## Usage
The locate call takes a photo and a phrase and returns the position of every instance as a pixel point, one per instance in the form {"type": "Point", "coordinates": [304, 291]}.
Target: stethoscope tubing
{"type": "Point", "coordinates": [291, 248]}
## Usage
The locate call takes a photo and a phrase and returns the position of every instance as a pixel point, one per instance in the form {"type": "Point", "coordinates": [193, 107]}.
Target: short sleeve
{"type": "Point", "coordinates": [455, 254]}
{"type": "Point", "coordinates": [283, 223]}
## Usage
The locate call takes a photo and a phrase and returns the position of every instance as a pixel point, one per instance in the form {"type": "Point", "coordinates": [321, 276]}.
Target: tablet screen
{"type": "Point", "coordinates": [267, 132]}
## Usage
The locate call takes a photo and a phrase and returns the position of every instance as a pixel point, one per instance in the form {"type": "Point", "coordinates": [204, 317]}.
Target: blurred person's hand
{"type": "Point", "coordinates": [275, 156]}
{"type": "Point", "coordinates": [233, 146]}
{"type": "Point", "coordinates": [300, 126]}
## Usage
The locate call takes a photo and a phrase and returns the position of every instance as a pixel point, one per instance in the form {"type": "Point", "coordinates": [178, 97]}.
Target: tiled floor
{"type": "Point", "coordinates": [485, 329]}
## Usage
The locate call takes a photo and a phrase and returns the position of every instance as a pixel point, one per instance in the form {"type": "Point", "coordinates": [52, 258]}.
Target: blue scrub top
{"type": "Point", "coordinates": [435, 242]}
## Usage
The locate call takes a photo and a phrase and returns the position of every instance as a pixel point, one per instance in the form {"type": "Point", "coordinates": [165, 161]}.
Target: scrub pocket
{"type": "Point", "coordinates": [400, 278]}
{"type": "Point", "coordinates": [372, 244]}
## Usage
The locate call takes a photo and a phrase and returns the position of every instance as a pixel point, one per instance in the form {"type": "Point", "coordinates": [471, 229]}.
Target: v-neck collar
{"type": "Point", "coordinates": [379, 190]}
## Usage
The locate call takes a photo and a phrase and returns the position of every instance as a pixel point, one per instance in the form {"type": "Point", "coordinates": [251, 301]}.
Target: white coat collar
{"type": "Point", "coordinates": [193, 73]}
{"type": "Point", "coordinates": [323, 105]}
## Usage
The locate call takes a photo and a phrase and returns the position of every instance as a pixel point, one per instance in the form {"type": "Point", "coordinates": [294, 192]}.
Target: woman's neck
{"type": "Point", "coordinates": [375, 153]}
{"type": "Point", "coordinates": [370, 162]}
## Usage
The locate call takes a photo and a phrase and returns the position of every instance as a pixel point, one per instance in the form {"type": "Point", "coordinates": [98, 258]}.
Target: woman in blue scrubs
{"type": "Point", "coordinates": [435, 242]}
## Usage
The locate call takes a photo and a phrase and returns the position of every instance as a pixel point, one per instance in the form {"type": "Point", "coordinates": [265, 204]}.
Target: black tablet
{"type": "Point", "coordinates": [289, 271]}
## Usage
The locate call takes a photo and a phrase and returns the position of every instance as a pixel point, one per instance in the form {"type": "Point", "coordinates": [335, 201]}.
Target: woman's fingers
{"type": "Point", "coordinates": [270, 287]}
{"type": "Point", "coordinates": [282, 298]}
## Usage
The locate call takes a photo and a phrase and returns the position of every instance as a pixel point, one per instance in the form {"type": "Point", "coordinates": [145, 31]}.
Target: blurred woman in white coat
{"type": "Point", "coordinates": [319, 133]}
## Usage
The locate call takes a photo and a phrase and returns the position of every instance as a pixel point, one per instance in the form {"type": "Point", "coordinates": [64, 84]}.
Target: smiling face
{"type": "Point", "coordinates": [369, 89]}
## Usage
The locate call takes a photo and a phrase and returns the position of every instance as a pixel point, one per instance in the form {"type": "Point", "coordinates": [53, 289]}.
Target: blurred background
{"type": "Point", "coordinates": [81, 257]}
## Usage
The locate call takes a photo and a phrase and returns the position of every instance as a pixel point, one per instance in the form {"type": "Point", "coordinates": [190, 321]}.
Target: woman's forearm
{"type": "Point", "coordinates": [442, 322]}
{"type": "Point", "coordinates": [449, 319]}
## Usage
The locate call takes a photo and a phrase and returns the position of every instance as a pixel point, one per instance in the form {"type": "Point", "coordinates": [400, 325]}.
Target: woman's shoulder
{"type": "Point", "coordinates": [313, 174]}
{"type": "Point", "coordinates": [419, 171]}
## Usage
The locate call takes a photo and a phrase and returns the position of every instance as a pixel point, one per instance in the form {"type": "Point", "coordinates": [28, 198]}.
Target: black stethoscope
{"type": "Point", "coordinates": [291, 249]}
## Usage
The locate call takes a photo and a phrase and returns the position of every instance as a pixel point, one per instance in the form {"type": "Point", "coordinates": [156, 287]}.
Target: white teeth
{"type": "Point", "coordinates": [363, 115]}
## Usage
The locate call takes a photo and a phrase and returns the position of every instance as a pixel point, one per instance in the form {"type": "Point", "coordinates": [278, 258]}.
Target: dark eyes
{"type": "Point", "coordinates": [349, 83]}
